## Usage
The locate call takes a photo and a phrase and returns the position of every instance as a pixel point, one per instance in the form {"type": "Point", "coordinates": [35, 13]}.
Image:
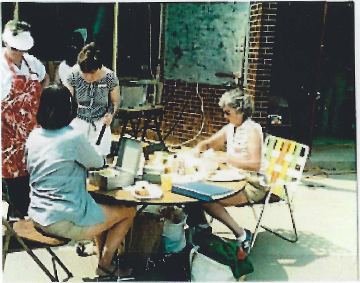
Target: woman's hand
{"type": "Point", "coordinates": [219, 157]}
{"type": "Point", "coordinates": [196, 152]}
{"type": "Point", "coordinates": [107, 119]}
{"type": "Point", "coordinates": [222, 158]}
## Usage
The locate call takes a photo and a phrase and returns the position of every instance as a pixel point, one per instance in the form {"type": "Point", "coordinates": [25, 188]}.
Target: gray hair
{"type": "Point", "coordinates": [237, 99]}
{"type": "Point", "coordinates": [17, 27]}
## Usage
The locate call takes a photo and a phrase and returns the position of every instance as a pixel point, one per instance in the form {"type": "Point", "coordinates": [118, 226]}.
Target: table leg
{"type": "Point", "coordinates": [141, 209]}
{"type": "Point", "coordinates": [146, 123]}
{"type": "Point", "coordinates": [157, 129]}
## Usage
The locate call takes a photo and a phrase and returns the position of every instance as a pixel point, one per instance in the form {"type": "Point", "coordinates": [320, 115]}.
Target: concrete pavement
{"type": "Point", "coordinates": [326, 211]}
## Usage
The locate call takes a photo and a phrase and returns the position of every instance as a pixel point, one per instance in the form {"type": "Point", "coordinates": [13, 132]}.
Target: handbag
{"type": "Point", "coordinates": [203, 268]}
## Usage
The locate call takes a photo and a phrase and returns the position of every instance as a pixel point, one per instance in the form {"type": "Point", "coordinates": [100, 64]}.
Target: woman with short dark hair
{"type": "Point", "coordinates": [55, 111]}
{"type": "Point", "coordinates": [57, 159]}
{"type": "Point", "coordinates": [96, 90]}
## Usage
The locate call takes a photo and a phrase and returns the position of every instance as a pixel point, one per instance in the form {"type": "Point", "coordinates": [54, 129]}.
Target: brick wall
{"type": "Point", "coordinates": [261, 44]}
{"type": "Point", "coordinates": [175, 93]}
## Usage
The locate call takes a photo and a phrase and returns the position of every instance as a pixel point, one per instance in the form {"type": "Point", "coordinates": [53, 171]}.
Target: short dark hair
{"type": "Point", "coordinates": [57, 107]}
{"type": "Point", "coordinates": [73, 48]}
{"type": "Point", "coordinates": [90, 58]}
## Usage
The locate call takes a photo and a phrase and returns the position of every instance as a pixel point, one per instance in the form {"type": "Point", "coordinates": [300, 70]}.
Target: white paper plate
{"type": "Point", "coordinates": [181, 179]}
{"type": "Point", "coordinates": [155, 192]}
{"type": "Point", "coordinates": [226, 176]}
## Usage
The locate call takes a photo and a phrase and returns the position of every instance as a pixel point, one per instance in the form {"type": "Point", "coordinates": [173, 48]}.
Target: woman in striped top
{"type": "Point", "coordinates": [96, 89]}
{"type": "Point", "coordinates": [244, 146]}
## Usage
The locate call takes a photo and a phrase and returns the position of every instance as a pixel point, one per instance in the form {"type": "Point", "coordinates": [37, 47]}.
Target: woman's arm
{"type": "Point", "coordinates": [70, 88]}
{"type": "Point", "coordinates": [254, 145]}
{"type": "Point", "coordinates": [114, 98]}
{"type": "Point", "coordinates": [45, 81]}
{"type": "Point", "coordinates": [214, 141]}
{"type": "Point", "coordinates": [57, 79]}
{"type": "Point", "coordinates": [87, 155]}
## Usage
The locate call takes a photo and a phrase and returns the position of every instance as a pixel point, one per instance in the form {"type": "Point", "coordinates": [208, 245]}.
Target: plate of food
{"type": "Point", "coordinates": [225, 176]}
{"type": "Point", "coordinates": [150, 191]}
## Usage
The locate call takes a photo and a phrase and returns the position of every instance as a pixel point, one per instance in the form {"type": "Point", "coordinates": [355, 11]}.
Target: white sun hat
{"type": "Point", "coordinates": [22, 41]}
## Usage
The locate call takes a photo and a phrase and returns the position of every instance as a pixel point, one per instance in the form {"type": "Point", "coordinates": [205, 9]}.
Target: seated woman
{"type": "Point", "coordinates": [244, 140]}
{"type": "Point", "coordinates": [57, 159]}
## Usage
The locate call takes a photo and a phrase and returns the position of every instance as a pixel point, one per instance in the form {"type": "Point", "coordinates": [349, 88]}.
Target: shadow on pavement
{"type": "Point", "coordinates": [271, 255]}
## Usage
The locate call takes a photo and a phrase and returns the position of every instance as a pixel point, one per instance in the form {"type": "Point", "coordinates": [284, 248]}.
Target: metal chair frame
{"type": "Point", "coordinates": [285, 164]}
{"type": "Point", "coordinates": [10, 232]}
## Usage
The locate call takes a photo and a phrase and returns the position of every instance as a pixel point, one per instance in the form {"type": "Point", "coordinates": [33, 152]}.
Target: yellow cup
{"type": "Point", "coordinates": [166, 182]}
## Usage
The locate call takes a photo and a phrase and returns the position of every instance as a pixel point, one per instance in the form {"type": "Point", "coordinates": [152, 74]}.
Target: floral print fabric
{"type": "Point", "coordinates": [18, 118]}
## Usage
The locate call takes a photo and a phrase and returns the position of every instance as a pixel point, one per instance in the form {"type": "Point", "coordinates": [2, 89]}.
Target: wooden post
{"type": "Point", "coordinates": [16, 11]}
{"type": "Point", "coordinates": [115, 37]}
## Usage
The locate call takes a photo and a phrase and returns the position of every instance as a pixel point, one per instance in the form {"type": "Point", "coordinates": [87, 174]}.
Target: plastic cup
{"type": "Point", "coordinates": [166, 182]}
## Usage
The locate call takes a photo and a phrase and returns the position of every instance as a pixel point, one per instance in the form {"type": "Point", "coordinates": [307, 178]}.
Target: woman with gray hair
{"type": "Point", "coordinates": [244, 140]}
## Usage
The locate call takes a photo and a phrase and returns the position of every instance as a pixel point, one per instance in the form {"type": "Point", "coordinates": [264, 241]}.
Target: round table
{"type": "Point", "coordinates": [168, 198]}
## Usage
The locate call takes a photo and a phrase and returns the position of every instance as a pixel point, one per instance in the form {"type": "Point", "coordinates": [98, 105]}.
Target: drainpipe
{"type": "Point", "coordinates": [317, 78]}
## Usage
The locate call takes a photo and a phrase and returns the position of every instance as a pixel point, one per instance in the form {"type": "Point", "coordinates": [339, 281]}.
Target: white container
{"type": "Point", "coordinates": [174, 235]}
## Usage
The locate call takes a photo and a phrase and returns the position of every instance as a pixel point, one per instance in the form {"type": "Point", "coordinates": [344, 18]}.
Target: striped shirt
{"type": "Point", "coordinates": [93, 98]}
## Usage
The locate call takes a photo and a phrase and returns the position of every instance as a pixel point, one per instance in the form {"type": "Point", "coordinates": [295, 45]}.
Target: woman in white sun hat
{"type": "Point", "coordinates": [22, 79]}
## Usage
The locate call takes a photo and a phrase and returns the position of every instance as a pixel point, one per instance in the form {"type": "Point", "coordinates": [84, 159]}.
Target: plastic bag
{"type": "Point", "coordinates": [223, 251]}
{"type": "Point", "coordinates": [174, 233]}
{"type": "Point", "coordinates": [205, 269]}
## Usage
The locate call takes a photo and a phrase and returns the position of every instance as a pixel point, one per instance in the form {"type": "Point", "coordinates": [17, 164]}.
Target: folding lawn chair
{"type": "Point", "coordinates": [285, 164]}
{"type": "Point", "coordinates": [24, 232]}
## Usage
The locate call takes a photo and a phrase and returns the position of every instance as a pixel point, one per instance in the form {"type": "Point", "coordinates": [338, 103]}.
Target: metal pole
{"type": "Point", "coordinates": [1, 14]}
{"type": "Point", "coordinates": [115, 37]}
{"type": "Point", "coordinates": [160, 35]}
{"type": "Point", "coordinates": [158, 68]}
{"type": "Point", "coordinates": [317, 78]}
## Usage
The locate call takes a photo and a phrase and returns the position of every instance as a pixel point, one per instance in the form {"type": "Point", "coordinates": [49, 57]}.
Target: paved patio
{"type": "Point", "coordinates": [327, 250]}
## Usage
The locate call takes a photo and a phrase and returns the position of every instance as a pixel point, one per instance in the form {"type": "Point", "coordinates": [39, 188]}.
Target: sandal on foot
{"type": "Point", "coordinates": [115, 273]}
{"type": "Point", "coordinates": [108, 273]}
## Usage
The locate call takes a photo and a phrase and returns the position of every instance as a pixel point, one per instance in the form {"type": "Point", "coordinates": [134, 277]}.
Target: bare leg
{"type": "Point", "coordinates": [113, 240]}
{"type": "Point", "coordinates": [99, 241]}
{"type": "Point", "coordinates": [118, 220]}
{"type": "Point", "coordinates": [218, 211]}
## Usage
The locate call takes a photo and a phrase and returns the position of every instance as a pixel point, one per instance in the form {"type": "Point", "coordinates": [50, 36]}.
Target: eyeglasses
{"type": "Point", "coordinates": [226, 112]}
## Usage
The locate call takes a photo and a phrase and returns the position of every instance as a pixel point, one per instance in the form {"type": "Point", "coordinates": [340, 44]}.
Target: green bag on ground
{"type": "Point", "coordinates": [223, 251]}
